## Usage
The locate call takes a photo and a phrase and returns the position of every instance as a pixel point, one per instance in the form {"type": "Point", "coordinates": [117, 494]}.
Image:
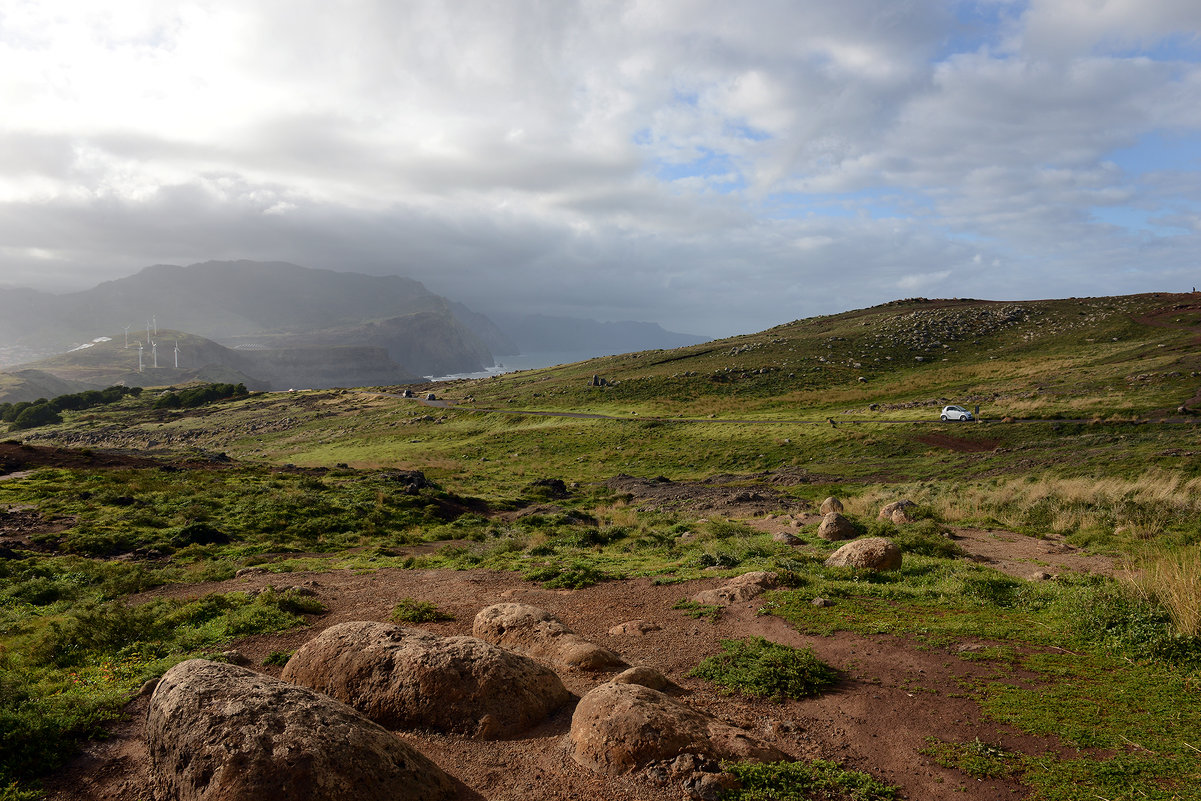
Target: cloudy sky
{"type": "Point", "coordinates": [717, 167]}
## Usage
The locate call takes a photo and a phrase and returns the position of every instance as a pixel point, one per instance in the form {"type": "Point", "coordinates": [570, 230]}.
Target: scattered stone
{"type": "Point", "coordinates": [786, 538]}
{"type": "Point", "coordinates": [872, 553]}
{"type": "Point", "coordinates": [406, 678]}
{"type": "Point", "coordinates": [540, 635]}
{"type": "Point", "coordinates": [738, 589]}
{"type": "Point", "coordinates": [898, 512]}
{"type": "Point", "coordinates": [822, 602]}
{"type": "Point", "coordinates": [621, 728]}
{"type": "Point", "coordinates": [1039, 576]}
{"type": "Point", "coordinates": [217, 731]}
{"type": "Point", "coordinates": [638, 628]}
{"type": "Point", "coordinates": [235, 657]}
{"type": "Point", "coordinates": [645, 676]}
{"type": "Point", "coordinates": [835, 527]}
{"type": "Point", "coordinates": [251, 571]}
{"type": "Point", "coordinates": [831, 504]}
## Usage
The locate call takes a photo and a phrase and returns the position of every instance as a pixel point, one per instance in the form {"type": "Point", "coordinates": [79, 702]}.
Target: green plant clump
{"type": "Point", "coordinates": [762, 668]}
{"type": "Point", "coordinates": [818, 780]}
{"type": "Point", "coordinates": [414, 611]}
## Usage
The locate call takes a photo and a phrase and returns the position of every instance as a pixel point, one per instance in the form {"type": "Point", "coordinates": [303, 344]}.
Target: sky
{"type": "Point", "coordinates": [716, 167]}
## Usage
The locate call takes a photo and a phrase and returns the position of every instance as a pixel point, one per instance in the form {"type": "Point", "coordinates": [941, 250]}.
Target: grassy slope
{"type": "Point", "coordinates": [1050, 360]}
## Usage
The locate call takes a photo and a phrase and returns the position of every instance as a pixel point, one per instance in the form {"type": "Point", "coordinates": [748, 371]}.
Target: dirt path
{"type": "Point", "coordinates": [893, 694]}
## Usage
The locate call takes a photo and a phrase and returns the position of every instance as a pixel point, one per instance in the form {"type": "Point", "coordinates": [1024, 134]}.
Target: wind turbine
{"type": "Point", "coordinates": [147, 332]}
{"type": "Point", "coordinates": [154, 353]}
{"type": "Point", "coordinates": [154, 319]}
{"type": "Point", "coordinates": [127, 335]}
{"type": "Point", "coordinates": [139, 356]}
{"type": "Point", "coordinates": [177, 354]}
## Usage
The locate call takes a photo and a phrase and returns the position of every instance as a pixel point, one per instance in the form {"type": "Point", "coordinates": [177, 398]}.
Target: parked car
{"type": "Point", "coordinates": [955, 413]}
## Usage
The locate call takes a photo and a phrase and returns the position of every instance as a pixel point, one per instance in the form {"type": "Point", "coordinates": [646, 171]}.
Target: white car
{"type": "Point", "coordinates": [955, 413]}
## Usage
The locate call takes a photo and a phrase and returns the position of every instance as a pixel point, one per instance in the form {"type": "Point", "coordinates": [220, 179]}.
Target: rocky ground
{"type": "Point", "coordinates": [892, 696]}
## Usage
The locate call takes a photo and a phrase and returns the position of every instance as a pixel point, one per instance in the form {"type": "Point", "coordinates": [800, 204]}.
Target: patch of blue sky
{"type": "Point", "coordinates": [878, 204]}
{"type": "Point", "coordinates": [718, 169]}
{"type": "Point", "coordinates": [1134, 219]}
{"type": "Point", "coordinates": [1158, 151]}
{"type": "Point", "coordinates": [744, 131]}
{"type": "Point", "coordinates": [1185, 47]}
{"type": "Point", "coordinates": [975, 25]}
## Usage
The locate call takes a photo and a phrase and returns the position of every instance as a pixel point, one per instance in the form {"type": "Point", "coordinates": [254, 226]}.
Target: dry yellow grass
{"type": "Point", "coordinates": [1144, 506]}
{"type": "Point", "coordinates": [1172, 579]}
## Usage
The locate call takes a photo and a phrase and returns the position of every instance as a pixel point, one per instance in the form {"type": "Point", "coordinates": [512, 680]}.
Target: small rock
{"type": "Point", "coordinates": [638, 628]}
{"type": "Point", "coordinates": [251, 571]}
{"type": "Point", "coordinates": [644, 676]}
{"type": "Point", "coordinates": [822, 602]}
{"type": "Point", "coordinates": [831, 504]}
{"type": "Point", "coordinates": [898, 512]}
{"type": "Point", "coordinates": [785, 538]}
{"type": "Point", "coordinates": [738, 589]}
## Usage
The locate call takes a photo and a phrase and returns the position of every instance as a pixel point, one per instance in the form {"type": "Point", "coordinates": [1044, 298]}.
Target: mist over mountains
{"type": "Point", "coordinates": [280, 325]}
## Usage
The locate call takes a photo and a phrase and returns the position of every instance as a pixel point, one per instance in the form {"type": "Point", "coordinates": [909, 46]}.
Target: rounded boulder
{"type": "Point", "coordinates": [406, 678]}
{"type": "Point", "coordinates": [218, 732]}
{"type": "Point", "coordinates": [540, 635]}
{"type": "Point", "coordinates": [835, 527]}
{"type": "Point", "coordinates": [619, 728]}
{"type": "Point", "coordinates": [831, 504]}
{"type": "Point", "coordinates": [872, 553]}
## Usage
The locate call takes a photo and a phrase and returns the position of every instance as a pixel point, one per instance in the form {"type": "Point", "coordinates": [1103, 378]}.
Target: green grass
{"type": "Point", "coordinates": [67, 669]}
{"type": "Point", "coordinates": [765, 669]}
{"type": "Point", "coordinates": [817, 780]}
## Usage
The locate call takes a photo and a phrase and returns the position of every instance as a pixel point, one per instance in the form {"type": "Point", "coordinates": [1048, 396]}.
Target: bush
{"type": "Point", "coordinates": [763, 668]}
{"type": "Point", "coordinates": [413, 611]}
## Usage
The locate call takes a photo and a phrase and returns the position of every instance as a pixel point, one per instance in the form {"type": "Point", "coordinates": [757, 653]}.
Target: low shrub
{"type": "Point", "coordinates": [410, 610]}
{"type": "Point", "coordinates": [763, 668]}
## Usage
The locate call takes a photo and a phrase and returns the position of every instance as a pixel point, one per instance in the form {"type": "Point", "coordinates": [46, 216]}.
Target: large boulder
{"type": "Point", "coordinates": [540, 635]}
{"type": "Point", "coordinates": [619, 728]}
{"type": "Point", "coordinates": [872, 553]}
{"type": "Point", "coordinates": [407, 678]}
{"type": "Point", "coordinates": [218, 732]}
{"type": "Point", "coordinates": [898, 512]}
{"type": "Point", "coordinates": [835, 527]}
{"type": "Point", "coordinates": [831, 504]}
{"type": "Point", "coordinates": [738, 589]}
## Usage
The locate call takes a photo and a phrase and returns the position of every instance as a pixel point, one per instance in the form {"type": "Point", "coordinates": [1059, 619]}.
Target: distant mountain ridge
{"type": "Point", "coordinates": [278, 304]}
{"type": "Point", "coordinates": [380, 325]}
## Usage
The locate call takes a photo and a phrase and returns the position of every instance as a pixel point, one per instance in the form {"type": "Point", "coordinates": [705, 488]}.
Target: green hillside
{"type": "Point", "coordinates": [125, 527]}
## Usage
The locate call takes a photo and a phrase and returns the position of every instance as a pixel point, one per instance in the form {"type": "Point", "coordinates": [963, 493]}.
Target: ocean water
{"type": "Point", "coordinates": [524, 361]}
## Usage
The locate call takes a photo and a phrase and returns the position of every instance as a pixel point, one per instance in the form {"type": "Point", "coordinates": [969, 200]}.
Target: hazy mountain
{"type": "Point", "coordinates": [265, 303]}
{"type": "Point", "coordinates": [108, 362]}
{"type": "Point", "coordinates": [536, 333]}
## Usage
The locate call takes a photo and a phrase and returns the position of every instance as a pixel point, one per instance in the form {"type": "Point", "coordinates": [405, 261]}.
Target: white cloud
{"type": "Point", "coordinates": [717, 166]}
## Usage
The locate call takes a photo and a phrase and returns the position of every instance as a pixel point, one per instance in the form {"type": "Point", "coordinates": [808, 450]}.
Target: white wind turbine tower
{"type": "Point", "coordinates": [127, 335]}
{"type": "Point", "coordinates": [147, 332]}
{"type": "Point", "coordinates": [154, 320]}
{"type": "Point", "coordinates": [154, 353]}
{"type": "Point", "coordinates": [139, 356]}
{"type": "Point", "coordinates": [177, 354]}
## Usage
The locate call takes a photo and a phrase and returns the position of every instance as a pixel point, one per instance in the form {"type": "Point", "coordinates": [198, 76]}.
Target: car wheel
{"type": "Point", "coordinates": [944, 418]}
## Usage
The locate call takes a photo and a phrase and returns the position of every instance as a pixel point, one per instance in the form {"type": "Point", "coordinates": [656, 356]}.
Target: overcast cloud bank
{"type": "Point", "coordinates": [715, 167]}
